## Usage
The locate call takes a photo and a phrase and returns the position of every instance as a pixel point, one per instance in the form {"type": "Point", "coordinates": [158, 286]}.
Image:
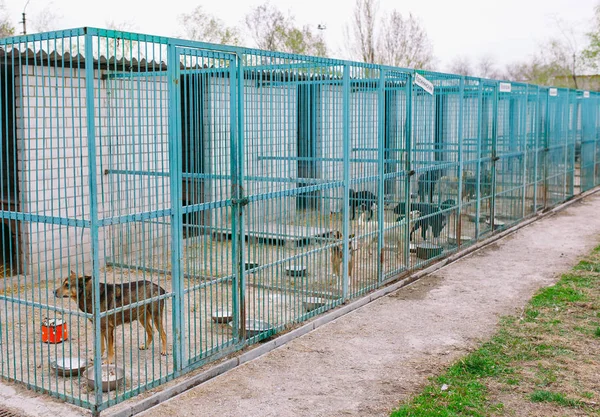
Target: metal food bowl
{"type": "Point", "coordinates": [222, 316]}
{"type": "Point", "coordinates": [68, 366]}
{"type": "Point", "coordinates": [295, 270]}
{"type": "Point", "coordinates": [312, 303]}
{"type": "Point", "coordinates": [112, 377]}
{"type": "Point", "coordinates": [255, 327]}
{"type": "Point", "coordinates": [473, 217]}
{"type": "Point", "coordinates": [428, 250]}
{"type": "Point", "coordinates": [498, 224]}
{"type": "Point", "coordinates": [464, 240]}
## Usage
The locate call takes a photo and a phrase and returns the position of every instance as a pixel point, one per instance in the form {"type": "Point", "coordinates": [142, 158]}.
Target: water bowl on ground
{"type": "Point", "coordinates": [464, 240]}
{"type": "Point", "coordinates": [312, 303]}
{"type": "Point", "coordinates": [112, 376]}
{"type": "Point", "coordinates": [428, 250]}
{"type": "Point", "coordinates": [222, 316]}
{"type": "Point", "coordinates": [68, 366]}
{"type": "Point", "coordinates": [255, 327]}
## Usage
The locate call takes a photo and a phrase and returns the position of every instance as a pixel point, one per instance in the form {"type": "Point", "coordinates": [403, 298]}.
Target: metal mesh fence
{"type": "Point", "coordinates": [167, 202]}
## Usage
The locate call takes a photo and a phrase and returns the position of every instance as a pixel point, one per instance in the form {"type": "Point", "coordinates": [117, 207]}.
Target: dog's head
{"type": "Point", "coordinates": [71, 285]}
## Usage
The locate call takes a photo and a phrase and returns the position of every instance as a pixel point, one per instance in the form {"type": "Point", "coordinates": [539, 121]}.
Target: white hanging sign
{"type": "Point", "coordinates": [553, 92]}
{"type": "Point", "coordinates": [586, 94]}
{"type": "Point", "coordinates": [424, 83]}
{"type": "Point", "coordinates": [505, 87]}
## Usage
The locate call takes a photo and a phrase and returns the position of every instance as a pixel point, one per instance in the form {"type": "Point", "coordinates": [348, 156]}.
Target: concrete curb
{"type": "Point", "coordinates": [279, 341]}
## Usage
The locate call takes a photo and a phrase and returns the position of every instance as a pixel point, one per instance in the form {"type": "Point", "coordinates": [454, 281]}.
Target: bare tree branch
{"type": "Point", "coordinates": [201, 26]}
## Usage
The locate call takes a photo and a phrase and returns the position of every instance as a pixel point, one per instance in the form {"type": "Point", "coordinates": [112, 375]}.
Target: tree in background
{"type": "Point", "coordinates": [45, 20]}
{"type": "Point", "coordinates": [201, 26]}
{"type": "Point", "coordinates": [485, 67]}
{"type": "Point", "coordinates": [591, 54]}
{"type": "Point", "coordinates": [560, 62]}
{"type": "Point", "coordinates": [402, 41]}
{"type": "Point", "coordinates": [461, 65]}
{"type": "Point", "coordinates": [6, 27]}
{"type": "Point", "coordinates": [363, 37]}
{"type": "Point", "coordinates": [273, 31]}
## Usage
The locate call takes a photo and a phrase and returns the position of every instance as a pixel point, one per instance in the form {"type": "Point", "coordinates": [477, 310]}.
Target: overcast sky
{"type": "Point", "coordinates": [507, 30]}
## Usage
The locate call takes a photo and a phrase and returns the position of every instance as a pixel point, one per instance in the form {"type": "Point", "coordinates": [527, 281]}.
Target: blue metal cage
{"type": "Point", "coordinates": [226, 194]}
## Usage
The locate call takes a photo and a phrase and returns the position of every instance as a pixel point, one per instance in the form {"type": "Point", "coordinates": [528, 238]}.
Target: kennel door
{"type": "Point", "coordinates": [204, 104]}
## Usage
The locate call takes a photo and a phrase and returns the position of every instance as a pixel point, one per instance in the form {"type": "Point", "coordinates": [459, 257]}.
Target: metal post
{"type": "Point", "coordinates": [380, 168]}
{"type": "Point", "coordinates": [524, 145]}
{"type": "Point", "coordinates": [495, 158]}
{"type": "Point", "coordinates": [546, 149]}
{"type": "Point", "coordinates": [346, 176]}
{"type": "Point", "coordinates": [173, 77]}
{"type": "Point", "coordinates": [458, 225]}
{"type": "Point", "coordinates": [237, 215]}
{"type": "Point", "coordinates": [478, 167]}
{"type": "Point", "coordinates": [408, 166]}
{"type": "Point", "coordinates": [93, 188]}
{"type": "Point", "coordinates": [537, 133]}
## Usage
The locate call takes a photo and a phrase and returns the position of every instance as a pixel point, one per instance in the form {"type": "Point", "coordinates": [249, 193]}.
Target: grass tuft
{"type": "Point", "coordinates": [541, 396]}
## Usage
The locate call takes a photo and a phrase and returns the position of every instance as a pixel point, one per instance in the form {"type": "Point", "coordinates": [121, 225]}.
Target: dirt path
{"type": "Point", "coordinates": [365, 362]}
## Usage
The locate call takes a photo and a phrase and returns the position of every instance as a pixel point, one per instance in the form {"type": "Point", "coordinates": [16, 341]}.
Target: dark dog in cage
{"type": "Point", "coordinates": [337, 255]}
{"type": "Point", "coordinates": [112, 296]}
{"type": "Point", "coordinates": [362, 200]}
{"type": "Point", "coordinates": [431, 215]}
{"type": "Point", "coordinates": [426, 183]}
{"type": "Point", "coordinates": [470, 185]}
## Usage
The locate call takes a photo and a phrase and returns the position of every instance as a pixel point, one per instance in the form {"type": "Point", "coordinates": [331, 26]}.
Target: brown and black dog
{"type": "Point", "coordinates": [112, 296]}
{"type": "Point", "coordinates": [337, 255]}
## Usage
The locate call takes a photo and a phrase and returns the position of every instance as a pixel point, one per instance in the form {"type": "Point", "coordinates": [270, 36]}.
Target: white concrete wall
{"type": "Point", "coordinates": [53, 168]}
{"type": "Point", "coordinates": [270, 130]}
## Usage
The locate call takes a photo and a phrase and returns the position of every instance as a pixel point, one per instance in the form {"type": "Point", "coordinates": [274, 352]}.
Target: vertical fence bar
{"type": "Point", "coordinates": [175, 177]}
{"type": "Point", "coordinates": [480, 134]}
{"type": "Point", "coordinates": [93, 188]}
{"type": "Point", "coordinates": [346, 176]}
{"type": "Point", "coordinates": [458, 225]}
{"type": "Point", "coordinates": [495, 156]}
{"type": "Point", "coordinates": [408, 166]}
{"type": "Point", "coordinates": [536, 145]}
{"type": "Point", "coordinates": [237, 218]}
{"type": "Point", "coordinates": [546, 154]}
{"type": "Point", "coordinates": [380, 170]}
{"type": "Point", "coordinates": [523, 126]}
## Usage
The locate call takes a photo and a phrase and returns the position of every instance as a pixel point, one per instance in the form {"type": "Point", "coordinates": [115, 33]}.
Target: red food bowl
{"type": "Point", "coordinates": [54, 331]}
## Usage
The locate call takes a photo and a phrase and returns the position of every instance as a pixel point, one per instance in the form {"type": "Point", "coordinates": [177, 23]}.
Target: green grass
{"type": "Point", "coordinates": [554, 397]}
{"type": "Point", "coordinates": [587, 266]}
{"type": "Point", "coordinates": [531, 352]}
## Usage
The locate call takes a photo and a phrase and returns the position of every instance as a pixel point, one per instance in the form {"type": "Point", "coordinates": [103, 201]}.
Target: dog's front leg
{"type": "Point", "coordinates": [110, 357]}
{"type": "Point", "coordinates": [102, 343]}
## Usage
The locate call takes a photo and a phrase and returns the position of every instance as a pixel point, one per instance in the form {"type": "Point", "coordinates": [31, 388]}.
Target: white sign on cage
{"type": "Point", "coordinates": [424, 83]}
{"type": "Point", "coordinates": [553, 92]}
{"type": "Point", "coordinates": [586, 94]}
{"type": "Point", "coordinates": [505, 87]}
